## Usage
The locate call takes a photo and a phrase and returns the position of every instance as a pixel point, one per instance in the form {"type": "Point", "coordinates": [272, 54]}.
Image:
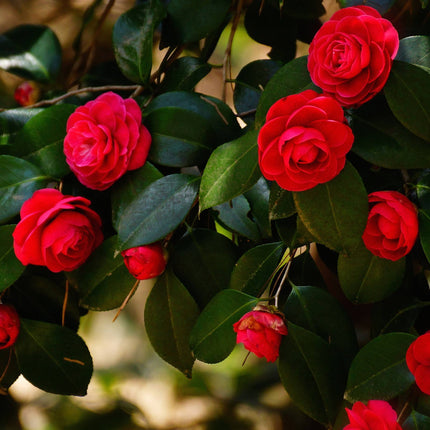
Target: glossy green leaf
{"type": "Point", "coordinates": [417, 421]}
{"type": "Point", "coordinates": [254, 268]}
{"type": "Point", "coordinates": [32, 52]}
{"type": "Point", "coordinates": [10, 267]}
{"type": "Point", "coordinates": [290, 79]}
{"type": "Point", "coordinates": [53, 358]}
{"type": "Point", "coordinates": [18, 181]}
{"type": "Point", "coordinates": [415, 50]}
{"type": "Point", "coordinates": [133, 36]}
{"type": "Point", "coordinates": [11, 121]}
{"type": "Point", "coordinates": [281, 203]}
{"type": "Point", "coordinates": [406, 82]}
{"type": "Point", "coordinates": [40, 141]}
{"type": "Point", "coordinates": [169, 199]}
{"type": "Point", "coordinates": [231, 170]}
{"type": "Point", "coordinates": [335, 212]}
{"type": "Point", "coordinates": [318, 311]}
{"type": "Point", "coordinates": [366, 278]}
{"type": "Point", "coordinates": [203, 260]}
{"type": "Point", "coordinates": [103, 280]}
{"type": "Point", "coordinates": [213, 338]}
{"type": "Point", "coordinates": [311, 372]}
{"type": "Point", "coordinates": [379, 369]}
{"type": "Point", "coordinates": [381, 6]}
{"type": "Point", "coordinates": [170, 314]}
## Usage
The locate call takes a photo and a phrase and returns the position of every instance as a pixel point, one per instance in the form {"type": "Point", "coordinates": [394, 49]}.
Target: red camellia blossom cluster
{"type": "Point", "coordinates": [350, 57]}
{"type": "Point", "coordinates": [56, 231]}
{"type": "Point", "coordinates": [304, 141]}
{"type": "Point", "coordinates": [146, 261]}
{"type": "Point", "coordinates": [418, 361]}
{"type": "Point", "coordinates": [9, 326]}
{"type": "Point", "coordinates": [261, 332]}
{"type": "Point", "coordinates": [106, 138]}
{"type": "Point", "coordinates": [392, 225]}
{"type": "Point", "coordinates": [376, 415]}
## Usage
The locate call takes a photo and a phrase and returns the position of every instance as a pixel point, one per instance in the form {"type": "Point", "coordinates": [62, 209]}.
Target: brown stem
{"type": "Point", "coordinates": [126, 300]}
{"type": "Point", "coordinates": [66, 298]}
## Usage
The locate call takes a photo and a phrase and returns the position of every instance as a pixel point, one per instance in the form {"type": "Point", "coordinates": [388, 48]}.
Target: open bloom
{"type": "Point", "coordinates": [105, 138]}
{"type": "Point", "coordinates": [261, 333]}
{"type": "Point", "coordinates": [350, 56]}
{"type": "Point", "coordinates": [418, 361]}
{"type": "Point", "coordinates": [146, 261]}
{"type": "Point", "coordinates": [376, 415]}
{"type": "Point", "coordinates": [56, 231]}
{"type": "Point", "coordinates": [304, 141]}
{"type": "Point", "coordinates": [9, 326]}
{"type": "Point", "coordinates": [392, 225]}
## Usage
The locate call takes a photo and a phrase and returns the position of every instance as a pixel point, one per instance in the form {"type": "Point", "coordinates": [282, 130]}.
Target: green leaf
{"type": "Point", "coordinates": [311, 372]}
{"type": "Point", "coordinates": [169, 199]}
{"type": "Point", "coordinates": [423, 193]}
{"type": "Point", "coordinates": [19, 179]}
{"type": "Point", "coordinates": [290, 79]}
{"type": "Point", "coordinates": [11, 121]}
{"type": "Point", "coordinates": [133, 35]}
{"type": "Point", "coordinates": [254, 268]}
{"type": "Point", "coordinates": [381, 6]}
{"type": "Point", "coordinates": [304, 271]}
{"type": "Point", "coordinates": [417, 421]}
{"type": "Point", "coordinates": [379, 369]}
{"type": "Point", "coordinates": [318, 311]}
{"type": "Point", "coordinates": [281, 203]}
{"type": "Point", "coordinates": [335, 212]}
{"type": "Point", "coordinates": [406, 82]}
{"type": "Point", "coordinates": [366, 278]}
{"type": "Point", "coordinates": [415, 50]}
{"type": "Point", "coordinates": [40, 141]}
{"type": "Point", "coordinates": [53, 358]}
{"type": "Point", "coordinates": [9, 365]}
{"type": "Point", "coordinates": [170, 314]}
{"type": "Point", "coordinates": [32, 52]}
{"type": "Point", "coordinates": [203, 260]}
{"type": "Point", "coordinates": [231, 170]}
{"type": "Point", "coordinates": [103, 280]}
{"type": "Point", "coordinates": [212, 337]}
{"type": "Point", "coordinates": [10, 267]}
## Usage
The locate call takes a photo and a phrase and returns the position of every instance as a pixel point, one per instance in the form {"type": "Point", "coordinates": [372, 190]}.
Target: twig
{"type": "Point", "coordinates": [66, 298]}
{"type": "Point", "coordinates": [126, 300]}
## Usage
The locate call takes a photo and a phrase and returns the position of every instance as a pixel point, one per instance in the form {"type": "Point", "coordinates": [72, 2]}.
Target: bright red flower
{"type": "Point", "coordinates": [26, 94]}
{"type": "Point", "coordinates": [304, 141]}
{"type": "Point", "coordinates": [56, 231]}
{"type": "Point", "coordinates": [9, 326]}
{"type": "Point", "coordinates": [418, 361]}
{"type": "Point", "coordinates": [261, 333]}
{"type": "Point", "coordinates": [392, 225]}
{"type": "Point", "coordinates": [377, 415]}
{"type": "Point", "coordinates": [350, 56]}
{"type": "Point", "coordinates": [106, 138]}
{"type": "Point", "coordinates": [146, 261]}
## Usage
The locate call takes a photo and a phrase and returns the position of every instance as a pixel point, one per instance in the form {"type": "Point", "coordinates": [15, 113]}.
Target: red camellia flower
{"type": "Point", "coordinates": [350, 56]}
{"type": "Point", "coordinates": [377, 415]}
{"type": "Point", "coordinates": [106, 138]}
{"type": "Point", "coordinates": [261, 332]}
{"type": "Point", "coordinates": [56, 231]}
{"type": "Point", "coordinates": [304, 141]}
{"type": "Point", "coordinates": [26, 94]}
{"type": "Point", "coordinates": [392, 225]}
{"type": "Point", "coordinates": [9, 326]}
{"type": "Point", "coordinates": [146, 261]}
{"type": "Point", "coordinates": [418, 361]}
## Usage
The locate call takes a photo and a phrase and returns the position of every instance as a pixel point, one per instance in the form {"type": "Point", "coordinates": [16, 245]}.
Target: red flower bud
{"type": "Point", "coordinates": [145, 262]}
{"type": "Point", "coordinates": [9, 326]}
{"type": "Point", "coordinates": [261, 332]}
{"type": "Point", "coordinates": [26, 94]}
{"type": "Point", "coordinates": [418, 361]}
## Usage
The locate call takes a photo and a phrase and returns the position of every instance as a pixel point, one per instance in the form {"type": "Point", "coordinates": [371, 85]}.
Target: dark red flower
{"type": "Point", "coordinates": [9, 326]}
{"type": "Point", "coordinates": [418, 361]}
{"type": "Point", "coordinates": [146, 261]}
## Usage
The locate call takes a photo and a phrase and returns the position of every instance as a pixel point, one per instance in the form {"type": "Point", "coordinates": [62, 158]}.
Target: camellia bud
{"type": "Point", "coordinates": [9, 326]}
{"type": "Point", "coordinates": [26, 94]}
{"type": "Point", "coordinates": [146, 261]}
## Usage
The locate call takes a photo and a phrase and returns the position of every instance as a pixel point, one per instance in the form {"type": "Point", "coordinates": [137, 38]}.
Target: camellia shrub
{"type": "Point", "coordinates": [294, 221]}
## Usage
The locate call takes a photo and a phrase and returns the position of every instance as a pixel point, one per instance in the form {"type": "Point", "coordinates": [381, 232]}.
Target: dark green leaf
{"type": "Point", "coordinates": [366, 278]}
{"type": "Point", "coordinates": [212, 338]}
{"type": "Point", "coordinates": [311, 372]}
{"type": "Point", "coordinates": [417, 421]}
{"type": "Point", "coordinates": [11, 121]}
{"type": "Point", "coordinates": [423, 193]}
{"type": "Point", "coordinates": [133, 36]}
{"type": "Point", "coordinates": [415, 50]}
{"type": "Point", "coordinates": [10, 267]}
{"type": "Point", "coordinates": [31, 52]}
{"type": "Point", "coordinates": [9, 365]}
{"type": "Point", "coordinates": [168, 199]}
{"type": "Point", "coordinates": [254, 268]}
{"type": "Point", "coordinates": [18, 181]}
{"type": "Point", "coordinates": [231, 170]}
{"type": "Point", "coordinates": [306, 10]}
{"type": "Point", "coordinates": [170, 314]}
{"type": "Point", "coordinates": [281, 203]}
{"type": "Point", "coordinates": [379, 369]}
{"type": "Point", "coordinates": [406, 82]}
{"type": "Point", "coordinates": [335, 212]}
{"type": "Point", "coordinates": [103, 280]}
{"type": "Point", "coordinates": [203, 260]}
{"type": "Point", "coordinates": [381, 6]}
{"type": "Point", "coordinates": [53, 358]}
